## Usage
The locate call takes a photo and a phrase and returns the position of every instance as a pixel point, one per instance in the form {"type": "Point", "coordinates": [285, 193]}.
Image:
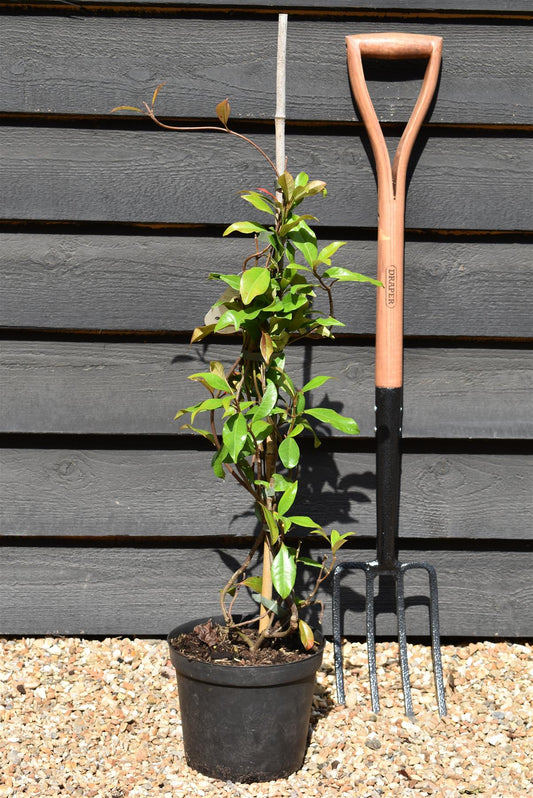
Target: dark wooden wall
{"type": "Point", "coordinates": [111, 522]}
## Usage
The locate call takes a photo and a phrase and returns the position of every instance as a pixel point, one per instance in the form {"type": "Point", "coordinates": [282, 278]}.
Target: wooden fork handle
{"type": "Point", "coordinates": [391, 183]}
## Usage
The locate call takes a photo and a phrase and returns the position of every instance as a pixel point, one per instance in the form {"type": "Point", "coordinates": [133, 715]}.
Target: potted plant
{"type": "Point", "coordinates": [246, 683]}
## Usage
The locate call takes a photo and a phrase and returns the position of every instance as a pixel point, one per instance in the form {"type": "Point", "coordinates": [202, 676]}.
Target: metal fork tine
{"type": "Point", "coordinates": [337, 643]}
{"type": "Point", "coordinates": [402, 641]}
{"type": "Point", "coordinates": [337, 624]}
{"type": "Point", "coordinates": [371, 638]}
{"type": "Point", "coordinates": [435, 639]}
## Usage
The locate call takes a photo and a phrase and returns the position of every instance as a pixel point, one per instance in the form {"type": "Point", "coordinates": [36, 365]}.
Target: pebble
{"type": "Point", "coordinates": [373, 742]}
{"type": "Point", "coordinates": [100, 719]}
{"type": "Point", "coordinates": [497, 739]}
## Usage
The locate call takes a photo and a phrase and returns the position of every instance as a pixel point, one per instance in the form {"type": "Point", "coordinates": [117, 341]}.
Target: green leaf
{"type": "Point", "coordinates": [325, 255]}
{"type": "Point", "coordinates": [230, 318]}
{"type": "Point", "coordinates": [254, 583]}
{"type": "Point", "coordinates": [337, 540]}
{"type": "Point", "coordinates": [271, 606]}
{"type": "Point", "coordinates": [295, 431]}
{"type": "Point", "coordinates": [234, 434]}
{"type": "Point", "coordinates": [307, 523]}
{"type": "Point", "coordinates": [245, 227]}
{"type": "Point", "coordinates": [233, 280]}
{"type": "Point", "coordinates": [261, 429]}
{"type": "Point", "coordinates": [289, 453]}
{"type": "Point", "coordinates": [200, 407]}
{"type": "Point", "coordinates": [293, 301]}
{"type": "Point", "coordinates": [201, 332]}
{"type": "Point", "coordinates": [315, 187]}
{"type": "Point", "coordinates": [127, 108]}
{"type": "Point", "coordinates": [271, 523]}
{"type": "Point", "coordinates": [293, 221]}
{"type": "Point", "coordinates": [287, 500]}
{"type": "Point", "coordinates": [203, 432]}
{"type": "Point", "coordinates": [213, 381]}
{"type": "Point", "coordinates": [258, 202]}
{"type": "Point", "coordinates": [282, 379]}
{"type": "Point", "coordinates": [316, 382]}
{"type": "Point", "coordinates": [304, 239]}
{"type": "Point", "coordinates": [268, 402]}
{"type": "Point", "coordinates": [329, 321]}
{"type": "Point", "coordinates": [286, 184]}
{"type": "Point", "coordinates": [334, 419]}
{"type": "Point", "coordinates": [347, 276]}
{"type": "Point", "coordinates": [216, 367]}
{"type": "Point", "coordinates": [217, 462]}
{"type": "Point", "coordinates": [279, 482]}
{"type": "Point", "coordinates": [308, 561]}
{"type": "Point", "coordinates": [306, 635]}
{"type": "Point", "coordinates": [308, 426]}
{"type": "Point", "coordinates": [254, 282]}
{"type": "Point", "coordinates": [284, 571]}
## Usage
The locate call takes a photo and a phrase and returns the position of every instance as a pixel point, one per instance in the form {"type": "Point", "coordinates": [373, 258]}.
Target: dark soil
{"type": "Point", "coordinates": [213, 643]}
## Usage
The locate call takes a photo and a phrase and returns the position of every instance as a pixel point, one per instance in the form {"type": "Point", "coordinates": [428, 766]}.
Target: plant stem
{"type": "Point", "coordinates": [151, 113]}
{"type": "Point", "coordinates": [239, 572]}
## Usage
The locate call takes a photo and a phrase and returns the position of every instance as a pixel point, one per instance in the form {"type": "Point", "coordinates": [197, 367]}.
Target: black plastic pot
{"type": "Point", "coordinates": [244, 723]}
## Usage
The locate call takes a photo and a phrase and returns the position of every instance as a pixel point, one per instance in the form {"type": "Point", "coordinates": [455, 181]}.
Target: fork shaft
{"type": "Point", "coordinates": [388, 473]}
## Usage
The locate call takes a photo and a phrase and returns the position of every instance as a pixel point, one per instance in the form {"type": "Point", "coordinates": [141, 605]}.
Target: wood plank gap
{"type": "Point", "coordinates": [192, 443]}
{"type": "Point", "coordinates": [412, 545]}
{"type": "Point", "coordinates": [110, 336]}
{"type": "Point", "coordinates": [132, 122]}
{"type": "Point", "coordinates": [190, 230]}
{"type": "Point", "coordinates": [183, 337]}
{"type": "Point", "coordinates": [62, 227]}
{"type": "Point", "coordinates": [127, 542]}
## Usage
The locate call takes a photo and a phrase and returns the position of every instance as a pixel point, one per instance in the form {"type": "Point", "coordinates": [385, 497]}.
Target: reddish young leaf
{"type": "Point", "coordinates": [223, 111]}
{"type": "Point", "coordinates": [306, 635]}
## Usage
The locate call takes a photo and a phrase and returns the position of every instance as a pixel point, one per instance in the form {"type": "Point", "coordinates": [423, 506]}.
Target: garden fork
{"type": "Point", "coordinates": [389, 357]}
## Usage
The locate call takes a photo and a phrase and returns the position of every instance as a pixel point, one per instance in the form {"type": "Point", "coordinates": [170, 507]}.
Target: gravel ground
{"type": "Point", "coordinates": [100, 719]}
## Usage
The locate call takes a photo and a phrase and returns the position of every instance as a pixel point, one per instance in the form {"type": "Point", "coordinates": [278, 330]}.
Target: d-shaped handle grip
{"type": "Point", "coordinates": [395, 45]}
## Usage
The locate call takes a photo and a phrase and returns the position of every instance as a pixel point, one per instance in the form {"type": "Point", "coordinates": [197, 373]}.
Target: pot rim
{"type": "Point", "coordinates": [242, 675]}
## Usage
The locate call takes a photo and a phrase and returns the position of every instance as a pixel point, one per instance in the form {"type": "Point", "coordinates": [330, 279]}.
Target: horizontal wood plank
{"type": "Point", "coordinates": [89, 68]}
{"type": "Point", "coordinates": [146, 591]}
{"type": "Point", "coordinates": [156, 177]}
{"type": "Point", "coordinates": [461, 6]}
{"type": "Point", "coordinates": [130, 388]}
{"type": "Point", "coordinates": [100, 282]}
{"type": "Point", "coordinates": [159, 493]}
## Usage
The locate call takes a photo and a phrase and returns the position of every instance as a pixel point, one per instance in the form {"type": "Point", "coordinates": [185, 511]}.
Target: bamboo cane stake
{"type": "Point", "coordinates": [281, 72]}
{"type": "Point", "coordinates": [279, 122]}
